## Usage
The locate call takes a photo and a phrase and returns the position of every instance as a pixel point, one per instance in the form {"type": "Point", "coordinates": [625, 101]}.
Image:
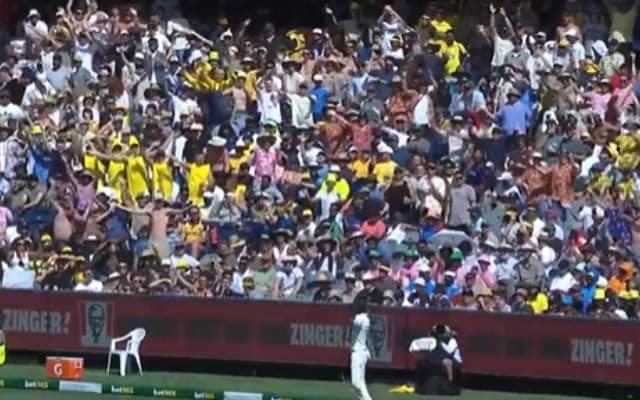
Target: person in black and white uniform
{"type": "Point", "coordinates": [359, 350]}
{"type": "Point", "coordinates": [438, 370]}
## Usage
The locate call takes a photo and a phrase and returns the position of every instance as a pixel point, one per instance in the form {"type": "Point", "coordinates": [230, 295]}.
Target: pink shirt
{"type": "Point", "coordinates": [599, 101]}
{"type": "Point", "coordinates": [624, 97]}
{"type": "Point", "coordinates": [488, 277]}
{"type": "Point", "coordinates": [406, 275]}
{"type": "Point", "coordinates": [264, 161]}
{"type": "Point", "coordinates": [376, 230]}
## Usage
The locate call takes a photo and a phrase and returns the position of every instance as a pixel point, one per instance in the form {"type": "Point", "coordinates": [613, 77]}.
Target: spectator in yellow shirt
{"type": "Point", "coordinates": [238, 155]}
{"type": "Point", "coordinates": [538, 301]}
{"type": "Point", "coordinates": [600, 182]}
{"type": "Point", "coordinates": [385, 168]}
{"type": "Point", "coordinates": [361, 166]}
{"type": "Point", "coordinates": [439, 24]}
{"type": "Point", "coordinates": [453, 53]}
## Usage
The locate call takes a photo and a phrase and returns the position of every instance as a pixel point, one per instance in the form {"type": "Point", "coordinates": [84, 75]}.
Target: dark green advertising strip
{"type": "Point", "coordinates": [166, 393]}
{"type": "Point", "coordinates": [29, 384]}
{"type": "Point", "coordinates": [127, 390]}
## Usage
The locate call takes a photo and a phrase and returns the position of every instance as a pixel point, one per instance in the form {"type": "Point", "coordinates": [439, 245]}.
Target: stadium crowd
{"type": "Point", "coordinates": [475, 163]}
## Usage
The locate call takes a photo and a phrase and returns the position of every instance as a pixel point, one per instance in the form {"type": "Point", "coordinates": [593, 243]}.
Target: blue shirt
{"type": "Point", "coordinates": [588, 293]}
{"type": "Point", "coordinates": [116, 226]}
{"type": "Point", "coordinates": [364, 54]}
{"type": "Point", "coordinates": [357, 84]}
{"type": "Point", "coordinates": [429, 289]}
{"type": "Point", "coordinates": [466, 102]}
{"type": "Point", "coordinates": [140, 245]}
{"type": "Point", "coordinates": [320, 95]}
{"type": "Point", "coordinates": [513, 118]}
{"type": "Point", "coordinates": [41, 164]}
{"type": "Point", "coordinates": [452, 291]}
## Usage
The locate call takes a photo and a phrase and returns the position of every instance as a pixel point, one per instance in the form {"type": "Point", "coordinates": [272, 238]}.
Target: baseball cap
{"type": "Point", "coordinates": [457, 255]}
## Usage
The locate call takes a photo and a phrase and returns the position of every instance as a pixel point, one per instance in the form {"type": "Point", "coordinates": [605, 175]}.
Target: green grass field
{"type": "Point", "coordinates": [316, 390]}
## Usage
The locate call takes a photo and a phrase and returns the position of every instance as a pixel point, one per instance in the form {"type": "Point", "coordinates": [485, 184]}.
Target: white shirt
{"type": "Point", "coordinates": [402, 137]}
{"type": "Point", "coordinates": [238, 277]}
{"type": "Point", "coordinates": [269, 106]}
{"type": "Point", "coordinates": [536, 63]}
{"type": "Point", "coordinates": [36, 32]}
{"type": "Point", "coordinates": [547, 256]}
{"type": "Point", "coordinates": [287, 281]}
{"type": "Point", "coordinates": [437, 185]}
{"type": "Point", "coordinates": [360, 333]}
{"type": "Point", "coordinates": [291, 82]}
{"type": "Point", "coordinates": [163, 42]}
{"type": "Point", "coordinates": [452, 349]}
{"type": "Point", "coordinates": [326, 200]}
{"type": "Point", "coordinates": [191, 261]}
{"type": "Point", "coordinates": [86, 55]}
{"type": "Point", "coordinates": [301, 115]}
{"type": "Point", "coordinates": [11, 111]}
{"type": "Point", "coordinates": [621, 314]}
{"type": "Point", "coordinates": [389, 30]}
{"type": "Point", "coordinates": [397, 234]}
{"type": "Point", "coordinates": [306, 233]}
{"type": "Point", "coordinates": [538, 226]}
{"type": "Point", "coordinates": [587, 163]}
{"type": "Point", "coordinates": [178, 147]}
{"type": "Point", "coordinates": [505, 269]}
{"type": "Point", "coordinates": [563, 283]}
{"type": "Point", "coordinates": [93, 286]}
{"type": "Point", "coordinates": [579, 53]}
{"type": "Point", "coordinates": [32, 94]}
{"type": "Point", "coordinates": [397, 54]}
{"type": "Point", "coordinates": [182, 106]}
{"type": "Point", "coordinates": [423, 111]}
{"type": "Point", "coordinates": [501, 48]}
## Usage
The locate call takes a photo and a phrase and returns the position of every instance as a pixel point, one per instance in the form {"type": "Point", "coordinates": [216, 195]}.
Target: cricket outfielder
{"type": "Point", "coordinates": [359, 350]}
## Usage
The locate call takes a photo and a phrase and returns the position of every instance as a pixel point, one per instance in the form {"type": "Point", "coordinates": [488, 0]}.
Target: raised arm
{"type": "Point", "coordinates": [331, 15]}
{"type": "Point", "coordinates": [180, 163]}
{"type": "Point", "coordinates": [512, 32]}
{"type": "Point", "coordinates": [492, 19]}
{"type": "Point", "coordinates": [132, 210]}
{"type": "Point", "coordinates": [184, 282]}
{"type": "Point", "coordinates": [72, 176]}
{"type": "Point", "coordinates": [108, 157]}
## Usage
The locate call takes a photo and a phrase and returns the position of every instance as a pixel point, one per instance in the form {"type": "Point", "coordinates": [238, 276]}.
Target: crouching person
{"type": "Point", "coordinates": [439, 363]}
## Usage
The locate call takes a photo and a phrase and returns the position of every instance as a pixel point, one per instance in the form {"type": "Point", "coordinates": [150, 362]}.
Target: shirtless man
{"type": "Point", "coordinates": [159, 221]}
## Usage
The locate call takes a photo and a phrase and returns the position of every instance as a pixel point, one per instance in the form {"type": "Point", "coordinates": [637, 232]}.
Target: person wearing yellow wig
{"type": "Point", "coordinates": [199, 178]}
{"type": "Point", "coordinates": [162, 174]}
{"type": "Point", "coordinates": [206, 77]}
{"type": "Point", "coordinates": [239, 155]}
{"type": "Point", "coordinates": [624, 150]}
{"type": "Point", "coordinates": [299, 44]}
{"type": "Point", "coordinates": [627, 186]}
{"type": "Point", "coordinates": [130, 165]}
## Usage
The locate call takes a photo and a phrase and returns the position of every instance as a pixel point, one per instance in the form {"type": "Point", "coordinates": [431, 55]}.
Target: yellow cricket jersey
{"type": "Point", "coordinates": [361, 168]}
{"type": "Point", "coordinates": [383, 171]}
{"type": "Point", "coordinates": [453, 53]}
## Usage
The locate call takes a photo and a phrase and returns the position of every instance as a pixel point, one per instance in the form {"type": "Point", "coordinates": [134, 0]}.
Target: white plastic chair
{"type": "Point", "coordinates": [132, 348]}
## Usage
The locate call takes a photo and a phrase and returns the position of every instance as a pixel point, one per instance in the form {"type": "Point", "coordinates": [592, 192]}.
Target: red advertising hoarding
{"type": "Point", "coordinates": [298, 333]}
